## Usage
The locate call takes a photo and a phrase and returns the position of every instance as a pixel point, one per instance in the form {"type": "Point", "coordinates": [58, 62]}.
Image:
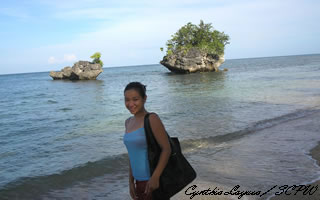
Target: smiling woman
{"type": "Point", "coordinates": [141, 182]}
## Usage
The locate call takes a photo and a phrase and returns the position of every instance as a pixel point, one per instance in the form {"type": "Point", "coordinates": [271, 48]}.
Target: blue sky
{"type": "Point", "coordinates": [44, 35]}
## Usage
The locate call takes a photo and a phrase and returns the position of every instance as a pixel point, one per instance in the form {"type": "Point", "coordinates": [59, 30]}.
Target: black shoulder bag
{"type": "Point", "coordinates": [178, 172]}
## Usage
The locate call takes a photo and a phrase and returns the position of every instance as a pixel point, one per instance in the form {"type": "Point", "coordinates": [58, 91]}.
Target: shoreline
{"type": "Point", "coordinates": [307, 124]}
{"type": "Point", "coordinates": [315, 155]}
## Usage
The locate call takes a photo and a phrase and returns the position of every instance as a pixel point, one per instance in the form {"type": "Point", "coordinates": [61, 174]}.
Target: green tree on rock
{"type": "Point", "coordinates": [96, 58]}
{"type": "Point", "coordinates": [203, 36]}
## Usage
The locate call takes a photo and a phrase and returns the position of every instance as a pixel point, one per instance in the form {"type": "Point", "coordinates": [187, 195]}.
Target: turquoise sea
{"type": "Point", "coordinates": [63, 139]}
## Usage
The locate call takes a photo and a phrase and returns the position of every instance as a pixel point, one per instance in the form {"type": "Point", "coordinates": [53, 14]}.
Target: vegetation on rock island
{"type": "Point", "coordinates": [96, 58]}
{"type": "Point", "coordinates": [204, 37]}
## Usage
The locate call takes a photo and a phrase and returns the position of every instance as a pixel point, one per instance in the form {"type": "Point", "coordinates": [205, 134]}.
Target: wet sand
{"type": "Point", "coordinates": [315, 153]}
{"type": "Point", "coordinates": [202, 182]}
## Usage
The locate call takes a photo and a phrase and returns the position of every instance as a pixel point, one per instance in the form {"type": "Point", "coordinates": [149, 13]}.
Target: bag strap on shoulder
{"type": "Point", "coordinates": [151, 141]}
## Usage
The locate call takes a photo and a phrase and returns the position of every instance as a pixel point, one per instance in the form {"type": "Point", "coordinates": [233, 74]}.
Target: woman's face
{"type": "Point", "coordinates": [133, 101]}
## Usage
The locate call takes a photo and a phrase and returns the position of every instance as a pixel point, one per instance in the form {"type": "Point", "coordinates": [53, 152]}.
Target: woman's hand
{"type": "Point", "coordinates": [152, 184]}
{"type": "Point", "coordinates": [132, 190]}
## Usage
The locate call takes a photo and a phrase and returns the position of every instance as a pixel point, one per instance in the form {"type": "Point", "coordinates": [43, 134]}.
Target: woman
{"type": "Point", "coordinates": [141, 182]}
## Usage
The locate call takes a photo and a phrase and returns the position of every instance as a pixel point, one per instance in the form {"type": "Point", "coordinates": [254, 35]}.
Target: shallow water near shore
{"type": "Point", "coordinates": [63, 139]}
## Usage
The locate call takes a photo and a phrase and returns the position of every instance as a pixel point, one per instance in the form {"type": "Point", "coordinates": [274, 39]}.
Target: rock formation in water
{"type": "Point", "coordinates": [82, 70]}
{"type": "Point", "coordinates": [194, 60]}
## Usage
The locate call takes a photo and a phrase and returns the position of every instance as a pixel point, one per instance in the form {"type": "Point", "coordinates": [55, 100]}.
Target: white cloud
{"type": "Point", "coordinates": [94, 13]}
{"type": "Point", "coordinates": [66, 58]}
{"type": "Point", "coordinates": [52, 60]}
{"type": "Point", "coordinates": [69, 58]}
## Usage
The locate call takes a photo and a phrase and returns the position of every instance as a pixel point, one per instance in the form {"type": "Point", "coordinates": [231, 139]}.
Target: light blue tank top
{"type": "Point", "coordinates": [136, 144]}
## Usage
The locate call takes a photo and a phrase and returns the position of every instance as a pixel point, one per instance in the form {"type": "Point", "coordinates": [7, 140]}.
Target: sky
{"type": "Point", "coordinates": [45, 35]}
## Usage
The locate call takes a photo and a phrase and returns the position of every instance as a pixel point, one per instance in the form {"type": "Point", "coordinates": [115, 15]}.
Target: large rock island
{"type": "Point", "coordinates": [195, 48]}
{"type": "Point", "coordinates": [81, 70]}
{"type": "Point", "coordinates": [194, 60]}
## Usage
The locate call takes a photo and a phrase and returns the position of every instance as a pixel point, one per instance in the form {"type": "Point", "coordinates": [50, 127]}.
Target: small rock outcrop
{"type": "Point", "coordinates": [82, 70]}
{"type": "Point", "coordinates": [193, 60]}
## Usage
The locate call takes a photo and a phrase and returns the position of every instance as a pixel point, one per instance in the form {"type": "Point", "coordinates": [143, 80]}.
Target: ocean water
{"type": "Point", "coordinates": [63, 139]}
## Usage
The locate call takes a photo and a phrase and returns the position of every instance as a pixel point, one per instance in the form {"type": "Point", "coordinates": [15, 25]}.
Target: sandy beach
{"type": "Point", "coordinates": [315, 153]}
{"type": "Point", "coordinates": [302, 125]}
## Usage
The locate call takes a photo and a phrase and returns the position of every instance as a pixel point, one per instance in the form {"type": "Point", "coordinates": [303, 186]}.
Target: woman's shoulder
{"type": "Point", "coordinates": [127, 121]}
{"type": "Point", "coordinates": [154, 117]}
{"type": "Point", "coordinates": [156, 123]}
{"type": "Point", "coordinates": [153, 114]}
{"type": "Point", "coordinates": [129, 118]}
